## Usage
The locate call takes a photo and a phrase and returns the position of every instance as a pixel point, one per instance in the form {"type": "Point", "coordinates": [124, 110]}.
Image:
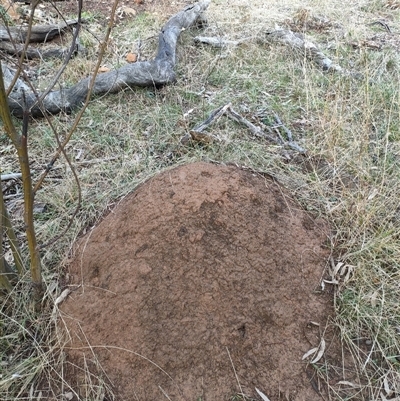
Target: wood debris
{"type": "Point", "coordinates": [198, 133]}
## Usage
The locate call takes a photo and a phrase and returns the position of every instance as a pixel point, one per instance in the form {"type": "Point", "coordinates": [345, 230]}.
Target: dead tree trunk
{"type": "Point", "coordinates": [155, 73]}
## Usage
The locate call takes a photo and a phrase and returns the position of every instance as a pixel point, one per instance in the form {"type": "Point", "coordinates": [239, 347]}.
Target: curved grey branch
{"type": "Point", "coordinates": [156, 73]}
{"type": "Point", "coordinates": [39, 33]}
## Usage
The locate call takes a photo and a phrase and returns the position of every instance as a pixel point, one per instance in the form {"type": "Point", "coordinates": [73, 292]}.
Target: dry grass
{"type": "Point", "coordinates": [350, 175]}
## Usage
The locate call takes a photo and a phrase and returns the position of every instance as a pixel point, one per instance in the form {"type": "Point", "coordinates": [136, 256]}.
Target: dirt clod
{"type": "Point", "coordinates": [201, 284]}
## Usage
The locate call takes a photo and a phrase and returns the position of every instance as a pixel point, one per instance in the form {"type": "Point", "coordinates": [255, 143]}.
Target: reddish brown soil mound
{"type": "Point", "coordinates": [202, 270]}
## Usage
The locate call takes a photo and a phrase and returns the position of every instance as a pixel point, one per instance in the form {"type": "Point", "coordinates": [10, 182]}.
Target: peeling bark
{"type": "Point", "coordinates": [155, 73]}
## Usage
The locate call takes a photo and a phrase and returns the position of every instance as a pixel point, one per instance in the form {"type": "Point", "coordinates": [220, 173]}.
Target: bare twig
{"type": "Point", "coordinates": [236, 376]}
{"type": "Point", "coordinates": [61, 146]}
{"type": "Point", "coordinates": [300, 44]}
{"type": "Point", "coordinates": [11, 176]}
{"type": "Point", "coordinates": [280, 124]}
{"type": "Point", "coordinates": [256, 131]}
{"type": "Point", "coordinates": [381, 23]}
{"type": "Point", "coordinates": [27, 37]}
{"type": "Point", "coordinates": [215, 42]}
{"type": "Point", "coordinates": [199, 135]}
{"type": "Point", "coordinates": [66, 60]}
{"type": "Point", "coordinates": [214, 116]}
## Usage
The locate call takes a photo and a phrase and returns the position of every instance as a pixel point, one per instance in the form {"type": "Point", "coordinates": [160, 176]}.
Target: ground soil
{"type": "Point", "coordinates": [200, 285]}
{"type": "Point", "coordinates": [103, 7]}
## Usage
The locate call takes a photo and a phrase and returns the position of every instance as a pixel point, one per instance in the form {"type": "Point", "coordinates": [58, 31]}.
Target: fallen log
{"type": "Point", "coordinates": [154, 73]}
{"type": "Point", "coordinates": [39, 33]}
{"type": "Point", "coordinates": [15, 49]}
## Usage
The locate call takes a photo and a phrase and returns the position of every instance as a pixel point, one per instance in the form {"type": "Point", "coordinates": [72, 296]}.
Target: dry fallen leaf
{"type": "Point", "coordinates": [337, 268]}
{"type": "Point", "coordinates": [334, 282]}
{"type": "Point", "coordinates": [373, 193]}
{"type": "Point", "coordinates": [389, 391]}
{"type": "Point", "coordinates": [349, 272]}
{"type": "Point", "coordinates": [346, 383]}
{"type": "Point", "coordinates": [128, 11]}
{"type": "Point", "coordinates": [320, 352]}
{"type": "Point", "coordinates": [262, 395]}
{"type": "Point", "coordinates": [131, 58]}
{"type": "Point", "coordinates": [374, 298]}
{"type": "Point", "coordinates": [188, 113]}
{"type": "Point", "coordinates": [103, 69]}
{"type": "Point", "coordinates": [308, 353]}
{"type": "Point", "coordinates": [69, 396]}
{"type": "Point", "coordinates": [62, 296]}
{"type": "Point", "coordinates": [202, 137]}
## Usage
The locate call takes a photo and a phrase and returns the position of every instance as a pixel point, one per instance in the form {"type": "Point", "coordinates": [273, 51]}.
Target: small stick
{"type": "Point", "coordinates": [197, 133]}
{"type": "Point", "coordinates": [295, 146]}
{"type": "Point", "coordinates": [219, 42]}
{"type": "Point", "coordinates": [11, 176]}
{"type": "Point", "coordinates": [280, 123]}
{"type": "Point", "coordinates": [12, 196]}
{"type": "Point", "coordinates": [234, 371]}
{"type": "Point", "coordinates": [290, 143]}
{"type": "Point", "coordinates": [215, 42]}
{"type": "Point", "coordinates": [215, 115]}
{"type": "Point", "coordinates": [257, 131]}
